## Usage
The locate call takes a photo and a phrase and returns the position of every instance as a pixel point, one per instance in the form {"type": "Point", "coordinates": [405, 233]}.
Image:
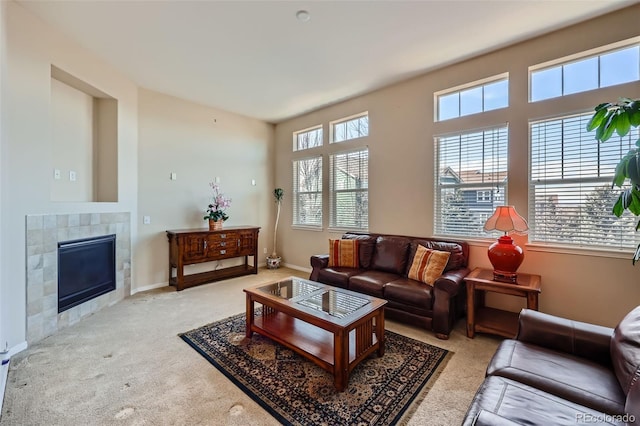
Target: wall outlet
{"type": "Point", "coordinates": [72, 176]}
{"type": "Point", "coordinates": [265, 250]}
{"type": "Point", "coordinates": [146, 220]}
{"type": "Point", "coordinates": [56, 174]}
{"type": "Point", "coordinates": [174, 176]}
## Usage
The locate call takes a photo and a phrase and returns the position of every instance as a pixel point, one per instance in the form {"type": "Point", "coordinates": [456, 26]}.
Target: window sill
{"type": "Point", "coordinates": [343, 230]}
{"type": "Point", "coordinates": [307, 228]}
{"type": "Point", "coordinates": [581, 251]}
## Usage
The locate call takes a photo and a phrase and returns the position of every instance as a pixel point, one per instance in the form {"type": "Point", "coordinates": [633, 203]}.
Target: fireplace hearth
{"type": "Point", "coordinates": [86, 270]}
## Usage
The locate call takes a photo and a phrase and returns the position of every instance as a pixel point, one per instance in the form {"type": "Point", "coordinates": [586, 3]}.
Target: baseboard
{"type": "Point", "coordinates": [296, 267]}
{"type": "Point", "coordinates": [148, 287]}
{"type": "Point", "coordinates": [4, 368]}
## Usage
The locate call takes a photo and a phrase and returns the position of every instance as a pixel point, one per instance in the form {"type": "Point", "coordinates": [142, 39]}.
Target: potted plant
{"type": "Point", "coordinates": [273, 261]}
{"type": "Point", "coordinates": [216, 211]}
{"type": "Point", "coordinates": [620, 117]}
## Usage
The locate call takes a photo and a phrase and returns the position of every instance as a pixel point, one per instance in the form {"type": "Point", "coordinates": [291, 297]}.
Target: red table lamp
{"type": "Point", "coordinates": [504, 255]}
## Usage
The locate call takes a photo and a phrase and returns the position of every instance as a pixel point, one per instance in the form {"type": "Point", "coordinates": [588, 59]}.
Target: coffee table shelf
{"type": "Point", "coordinates": [332, 327]}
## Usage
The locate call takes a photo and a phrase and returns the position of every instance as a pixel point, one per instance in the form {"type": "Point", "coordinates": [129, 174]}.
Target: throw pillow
{"type": "Point", "coordinates": [428, 265]}
{"type": "Point", "coordinates": [343, 253]}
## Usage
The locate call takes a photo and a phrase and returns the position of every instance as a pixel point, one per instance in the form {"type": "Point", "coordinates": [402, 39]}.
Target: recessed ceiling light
{"type": "Point", "coordinates": [303, 15]}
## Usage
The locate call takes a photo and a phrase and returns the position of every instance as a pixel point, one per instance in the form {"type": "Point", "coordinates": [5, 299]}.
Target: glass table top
{"type": "Point", "coordinates": [316, 296]}
{"type": "Point", "coordinates": [334, 303]}
{"type": "Point", "coordinates": [289, 289]}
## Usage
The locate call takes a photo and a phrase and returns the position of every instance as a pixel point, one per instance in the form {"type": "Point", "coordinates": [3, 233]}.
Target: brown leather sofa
{"type": "Point", "coordinates": [562, 372]}
{"type": "Point", "coordinates": [384, 262]}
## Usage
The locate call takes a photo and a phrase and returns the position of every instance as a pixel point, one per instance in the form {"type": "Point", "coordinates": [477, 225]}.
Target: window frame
{"type": "Point", "coordinates": [600, 180]}
{"type": "Point", "coordinates": [344, 120]}
{"type": "Point", "coordinates": [500, 184]}
{"type": "Point", "coordinates": [295, 205]}
{"type": "Point", "coordinates": [333, 202]}
{"type": "Point", "coordinates": [578, 57]}
{"type": "Point", "coordinates": [297, 133]}
{"type": "Point", "coordinates": [482, 83]}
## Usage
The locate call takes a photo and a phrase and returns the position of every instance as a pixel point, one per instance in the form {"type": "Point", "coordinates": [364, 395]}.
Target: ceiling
{"type": "Point", "coordinates": [256, 59]}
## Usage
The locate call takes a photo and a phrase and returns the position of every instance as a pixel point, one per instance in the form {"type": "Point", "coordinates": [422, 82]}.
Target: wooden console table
{"type": "Point", "coordinates": [191, 246]}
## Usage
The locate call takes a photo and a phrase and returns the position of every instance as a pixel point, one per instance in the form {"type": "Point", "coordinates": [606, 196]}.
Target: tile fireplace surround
{"type": "Point", "coordinates": [43, 232]}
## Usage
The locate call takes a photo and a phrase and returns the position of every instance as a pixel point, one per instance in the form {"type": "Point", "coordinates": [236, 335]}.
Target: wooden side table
{"type": "Point", "coordinates": [490, 320]}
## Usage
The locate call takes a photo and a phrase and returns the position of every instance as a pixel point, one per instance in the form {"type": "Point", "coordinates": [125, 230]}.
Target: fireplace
{"type": "Point", "coordinates": [86, 270]}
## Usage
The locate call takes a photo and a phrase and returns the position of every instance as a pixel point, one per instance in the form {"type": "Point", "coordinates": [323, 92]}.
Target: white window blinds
{"type": "Point", "coordinates": [471, 178]}
{"type": "Point", "coordinates": [570, 194]}
{"type": "Point", "coordinates": [349, 189]}
{"type": "Point", "coordinates": [307, 192]}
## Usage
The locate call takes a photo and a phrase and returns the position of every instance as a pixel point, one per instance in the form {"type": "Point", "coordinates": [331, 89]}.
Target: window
{"type": "Point", "coordinates": [349, 195]}
{"type": "Point", "coordinates": [570, 194]}
{"type": "Point", "coordinates": [351, 128]}
{"type": "Point", "coordinates": [484, 196]}
{"type": "Point", "coordinates": [309, 138]}
{"type": "Point", "coordinates": [603, 70]}
{"type": "Point", "coordinates": [471, 180]}
{"type": "Point", "coordinates": [474, 99]}
{"type": "Point", "coordinates": [307, 192]}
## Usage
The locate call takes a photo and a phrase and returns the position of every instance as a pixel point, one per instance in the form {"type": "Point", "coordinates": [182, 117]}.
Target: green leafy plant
{"type": "Point", "coordinates": [620, 117]}
{"type": "Point", "coordinates": [219, 203]}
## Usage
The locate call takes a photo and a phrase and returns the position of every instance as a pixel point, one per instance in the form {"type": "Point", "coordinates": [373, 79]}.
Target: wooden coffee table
{"type": "Point", "coordinates": [333, 327]}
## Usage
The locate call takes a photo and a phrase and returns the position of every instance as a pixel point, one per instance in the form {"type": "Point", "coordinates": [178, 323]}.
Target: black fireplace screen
{"type": "Point", "coordinates": [86, 269]}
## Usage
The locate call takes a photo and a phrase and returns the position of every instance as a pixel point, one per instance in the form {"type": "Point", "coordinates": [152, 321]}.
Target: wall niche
{"type": "Point", "coordinates": [84, 124]}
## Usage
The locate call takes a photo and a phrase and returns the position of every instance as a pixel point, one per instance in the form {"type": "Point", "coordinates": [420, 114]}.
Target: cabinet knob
{"type": "Point", "coordinates": [223, 235]}
{"type": "Point", "coordinates": [223, 251]}
{"type": "Point", "coordinates": [205, 244]}
{"type": "Point", "coordinates": [223, 244]}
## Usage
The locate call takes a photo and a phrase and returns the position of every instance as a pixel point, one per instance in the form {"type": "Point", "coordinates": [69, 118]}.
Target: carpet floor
{"type": "Point", "coordinates": [126, 365]}
{"type": "Point", "coordinates": [298, 392]}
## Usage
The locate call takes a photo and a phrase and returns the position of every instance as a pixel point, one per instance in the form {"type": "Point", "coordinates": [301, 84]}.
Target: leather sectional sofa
{"type": "Point", "coordinates": [562, 372]}
{"type": "Point", "coordinates": [384, 262]}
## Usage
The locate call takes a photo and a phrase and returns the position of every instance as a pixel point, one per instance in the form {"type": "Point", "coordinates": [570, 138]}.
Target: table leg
{"type": "Point", "coordinates": [532, 301]}
{"type": "Point", "coordinates": [341, 360]}
{"type": "Point", "coordinates": [380, 331]}
{"type": "Point", "coordinates": [470, 310]}
{"type": "Point", "coordinates": [249, 316]}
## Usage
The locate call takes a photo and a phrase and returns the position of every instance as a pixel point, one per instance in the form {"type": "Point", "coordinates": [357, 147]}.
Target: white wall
{"type": "Point", "coordinates": [4, 290]}
{"type": "Point", "coordinates": [198, 144]}
{"type": "Point", "coordinates": [27, 165]}
{"type": "Point", "coordinates": [401, 166]}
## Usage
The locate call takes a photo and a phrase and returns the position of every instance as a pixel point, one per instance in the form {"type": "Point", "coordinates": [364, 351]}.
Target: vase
{"type": "Point", "coordinates": [273, 262]}
{"type": "Point", "coordinates": [215, 225]}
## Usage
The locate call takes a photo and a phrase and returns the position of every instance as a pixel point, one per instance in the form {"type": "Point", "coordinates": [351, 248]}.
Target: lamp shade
{"type": "Point", "coordinates": [506, 219]}
{"type": "Point", "coordinates": [504, 255]}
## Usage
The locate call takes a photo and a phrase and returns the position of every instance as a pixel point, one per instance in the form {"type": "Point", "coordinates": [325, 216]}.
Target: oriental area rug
{"type": "Point", "coordinates": [381, 391]}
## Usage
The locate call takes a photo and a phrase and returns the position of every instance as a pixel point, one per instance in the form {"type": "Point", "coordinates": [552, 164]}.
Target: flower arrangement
{"type": "Point", "coordinates": [218, 205]}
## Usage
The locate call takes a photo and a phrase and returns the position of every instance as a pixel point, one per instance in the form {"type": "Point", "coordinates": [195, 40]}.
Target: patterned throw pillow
{"type": "Point", "coordinates": [428, 265]}
{"type": "Point", "coordinates": [343, 253]}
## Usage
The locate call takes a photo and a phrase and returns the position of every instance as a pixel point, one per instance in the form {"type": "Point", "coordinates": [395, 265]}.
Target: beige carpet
{"type": "Point", "coordinates": [126, 365]}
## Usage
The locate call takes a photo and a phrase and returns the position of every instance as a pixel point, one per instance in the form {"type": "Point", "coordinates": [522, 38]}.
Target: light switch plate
{"type": "Point", "coordinates": [72, 176]}
{"type": "Point", "coordinates": [146, 220]}
{"type": "Point", "coordinates": [174, 176]}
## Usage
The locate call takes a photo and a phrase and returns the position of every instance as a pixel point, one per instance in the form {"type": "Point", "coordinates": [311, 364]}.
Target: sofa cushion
{"type": "Point", "coordinates": [527, 405]}
{"type": "Point", "coordinates": [625, 349]}
{"type": "Point", "coordinates": [338, 276]}
{"type": "Point", "coordinates": [371, 282]}
{"type": "Point", "coordinates": [457, 258]}
{"type": "Point", "coordinates": [409, 292]}
{"type": "Point", "coordinates": [391, 254]}
{"type": "Point", "coordinates": [567, 376]}
{"type": "Point", "coordinates": [366, 247]}
{"type": "Point", "coordinates": [427, 265]}
{"type": "Point", "coordinates": [343, 253]}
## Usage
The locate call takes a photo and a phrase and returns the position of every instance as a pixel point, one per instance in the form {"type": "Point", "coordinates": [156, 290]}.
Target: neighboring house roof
{"type": "Point", "coordinates": [474, 176]}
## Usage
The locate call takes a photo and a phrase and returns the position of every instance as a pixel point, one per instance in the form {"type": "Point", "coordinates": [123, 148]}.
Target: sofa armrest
{"type": "Point", "coordinates": [451, 281]}
{"type": "Point", "coordinates": [573, 337]}
{"type": "Point", "coordinates": [318, 262]}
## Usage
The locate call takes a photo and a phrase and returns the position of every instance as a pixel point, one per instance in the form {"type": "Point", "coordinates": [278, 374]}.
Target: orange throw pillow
{"type": "Point", "coordinates": [428, 265]}
{"type": "Point", "coordinates": [343, 253]}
